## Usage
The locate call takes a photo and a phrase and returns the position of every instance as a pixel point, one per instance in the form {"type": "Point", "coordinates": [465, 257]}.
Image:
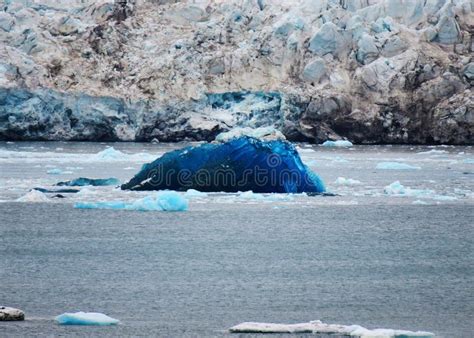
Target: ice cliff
{"type": "Point", "coordinates": [388, 71]}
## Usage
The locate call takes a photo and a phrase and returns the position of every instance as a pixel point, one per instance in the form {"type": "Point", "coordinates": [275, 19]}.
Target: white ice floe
{"type": "Point", "coordinates": [250, 195]}
{"type": "Point", "coordinates": [85, 318]}
{"type": "Point", "coordinates": [268, 133]}
{"type": "Point", "coordinates": [432, 152]}
{"type": "Point", "coordinates": [339, 143]}
{"type": "Point", "coordinates": [161, 201]}
{"type": "Point", "coordinates": [469, 161]}
{"type": "Point", "coordinates": [305, 150]}
{"type": "Point", "coordinates": [346, 181]}
{"type": "Point", "coordinates": [398, 189]}
{"type": "Point", "coordinates": [395, 166]}
{"type": "Point", "coordinates": [323, 328]}
{"type": "Point", "coordinates": [192, 193]}
{"type": "Point", "coordinates": [54, 171]}
{"type": "Point", "coordinates": [110, 153]}
{"type": "Point", "coordinates": [34, 196]}
{"type": "Point", "coordinates": [419, 202]}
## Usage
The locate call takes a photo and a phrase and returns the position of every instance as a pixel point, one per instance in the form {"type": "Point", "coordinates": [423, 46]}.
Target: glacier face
{"type": "Point", "coordinates": [388, 71]}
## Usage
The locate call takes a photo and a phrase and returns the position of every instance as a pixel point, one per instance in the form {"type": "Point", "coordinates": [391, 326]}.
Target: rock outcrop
{"type": "Point", "coordinates": [388, 71]}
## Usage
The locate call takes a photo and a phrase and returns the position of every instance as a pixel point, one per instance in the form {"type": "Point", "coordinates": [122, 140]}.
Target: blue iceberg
{"type": "Point", "coordinates": [84, 181]}
{"type": "Point", "coordinates": [241, 164]}
{"type": "Point", "coordinates": [162, 201]}
{"type": "Point", "coordinates": [85, 318]}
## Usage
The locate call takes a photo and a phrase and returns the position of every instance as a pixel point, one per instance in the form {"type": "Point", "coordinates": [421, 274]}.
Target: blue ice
{"type": "Point", "coordinates": [161, 201]}
{"type": "Point", "coordinates": [339, 143]}
{"type": "Point", "coordinates": [83, 181]}
{"type": "Point", "coordinates": [85, 318]}
{"type": "Point", "coordinates": [395, 166]}
{"type": "Point", "coordinates": [241, 164]}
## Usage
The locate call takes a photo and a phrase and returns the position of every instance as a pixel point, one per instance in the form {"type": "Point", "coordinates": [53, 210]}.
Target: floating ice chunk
{"type": "Point", "coordinates": [267, 133]}
{"type": "Point", "coordinates": [432, 152]}
{"type": "Point", "coordinates": [161, 201]}
{"type": "Point", "coordinates": [323, 328]}
{"type": "Point", "coordinates": [397, 189]}
{"type": "Point", "coordinates": [339, 143]}
{"type": "Point", "coordinates": [34, 196]}
{"type": "Point", "coordinates": [346, 181]}
{"type": "Point", "coordinates": [419, 202]}
{"type": "Point", "coordinates": [85, 318]}
{"type": "Point", "coordinates": [110, 154]}
{"type": "Point", "coordinates": [192, 193]}
{"type": "Point", "coordinates": [243, 163]}
{"type": "Point", "coordinates": [250, 195]}
{"type": "Point", "coordinates": [469, 161]}
{"type": "Point", "coordinates": [305, 150]}
{"type": "Point", "coordinates": [55, 171]}
{"type": "Point", "coordinates": [395, 166]}
{"type": "Point", "coordinates": [444, 198]}
{"type": "Point", "coordinates": [83, 181]}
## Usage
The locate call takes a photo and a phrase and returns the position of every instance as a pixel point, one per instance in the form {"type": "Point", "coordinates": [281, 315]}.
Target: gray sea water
{"type": "Point", "coordinates": [364, 257]}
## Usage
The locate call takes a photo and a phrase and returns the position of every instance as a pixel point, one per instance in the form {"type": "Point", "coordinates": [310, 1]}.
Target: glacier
{"type": "Point", "coordinates": [84, 181]}
{"type": "Point", "coordinates": [85, 318]}
{"type": "Point", "coordinates": [241, 164]}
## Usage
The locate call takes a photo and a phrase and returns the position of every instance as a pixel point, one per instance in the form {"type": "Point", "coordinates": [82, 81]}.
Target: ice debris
{"type": "Point", "coordinates": [83, 181]}
{"type": "Point", "coordinates": [161, 201]}
{"type": "Point", "coordinates": [110, 153]}
{"type": "Point", "coordinates": [34, 196]}
{"type": "Point", "coordinates": [11, 314]}
{"type": "Point", "coordinates": [241, 164]}
{"type": "Point", "coordinates": [396, 188]}
{"type": "Point", "coordinates": [339, 143]}
{"type": "Point", "coordinates": [267, 133]}
{"type": "Point", "coordinates": [323, 328]}
{"type": "Point", "coordinates": [395, 166]}
{"type": "Point", "coordinates": [192, 193]}
{"type": "Point", "coordinates": [55, 171]}
{"type": "Point", "coordinates": [85, 318]}
{"type": "Point", "coordinates": [346, 181]}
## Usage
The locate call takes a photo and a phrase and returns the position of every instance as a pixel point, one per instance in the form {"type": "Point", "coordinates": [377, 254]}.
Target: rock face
{"type": "Point", "coordinates": [11, 314]}
{"type": "Point", "coordinates": [386, 71]}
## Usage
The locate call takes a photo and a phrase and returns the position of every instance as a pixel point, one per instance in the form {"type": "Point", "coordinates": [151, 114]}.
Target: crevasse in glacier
{"type": "Point", "coordinates": [241, 164]}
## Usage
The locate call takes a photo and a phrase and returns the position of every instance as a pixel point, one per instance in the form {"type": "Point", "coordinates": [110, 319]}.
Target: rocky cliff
{"type": "Point", "coordinates": [388, 71]}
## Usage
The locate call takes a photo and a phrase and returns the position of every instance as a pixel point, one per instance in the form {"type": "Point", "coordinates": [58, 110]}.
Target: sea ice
{"type": "Point", "coordinates": [34, 196]}
{"type": "Point", "coordinates": [395, 166]}
{"type": "Point", "coordinates": [161, 201]}
{"type": "Point", "coordinates": [83, 181]}
{"type": "Point", "coordinates": [241, 164]}
{"type": "Point", "coordinates": [267, 133]}
{"type": "Point", "coordinates": [55, 171]}
{"type": "Point", "coordinates": [338, 143]}
{"type": "Point", "coordinates": [346, 181]}
{"type": "Point", "coordinates": [323, 328]}
{"type": "Point", "coordinates": [85, 318]}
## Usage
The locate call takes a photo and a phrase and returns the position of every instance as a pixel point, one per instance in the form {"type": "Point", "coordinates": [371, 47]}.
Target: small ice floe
{"type": "Point", "coordinates": [432, 152]}
{"type": "Point", "coordinates": [398, 189]}
{"type": "Point", "coordinates": [419, 202]}
{"type": "Point", "coordinates": [305, 150]}
{"type": "Point", "coordinates": [267, 133]}
{"type": "Point", "coordinates": [85, 318]}
{"type": "Point", "coordinates": [54, 171]}
{"type": "Point", "coordinates": [338, 143]}
{"type": "Point", "coordinates": [395, 166]}
{"type": "Point", "coordinates": [250, 195]}
{"type": "Point", "coordinates": [110, 153]}
{"type": "Point", "coordinates": [34, 196]}
{"type": "Point", "coordinates": [162, 201]}
{"type": "Point", "coordinates": [193, 193]}
{"type": "Point", "coordinates": [11, 314]}
{"type": "Point", "coordinates": [318, 327]}
{"type": "Point", "coordinates": [84, 181]}
{"type": "Point", "coordinates": [346, 181]}
{"type": "Point", "coordinates": [469, 161]}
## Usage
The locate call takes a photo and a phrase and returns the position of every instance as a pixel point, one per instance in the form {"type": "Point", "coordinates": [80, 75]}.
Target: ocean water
{"type": "Point", "coordinates": [363, 257]}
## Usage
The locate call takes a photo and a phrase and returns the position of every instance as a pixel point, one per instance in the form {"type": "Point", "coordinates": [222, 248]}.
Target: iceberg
{"type": "Point", "coordinates": [84, 181]}
{"type": "Point", "coordinates": [339, 143]}
{"type": "Point", "coordinates": [346, 181]}
{"type": "Point", "coordinates": [395, 166]}
{"type": "Point", "coordinates": [34, 196]}
{"type": "Point", "coordinates": [110, 154]}
{"type": "Point", "coordinates": [318, 327]}
{"type": "Point", "coordinates": [162, 201]}
{"type": "Point", "coordinates": [268, 133]}
{"type": "Point", "coordinates": [85, 318]}
{"type": "Point", "coordinates": [241, 164]}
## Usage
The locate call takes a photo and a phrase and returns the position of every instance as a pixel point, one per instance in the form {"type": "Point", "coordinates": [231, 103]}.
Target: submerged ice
{"type": "Point", "coordinates": [241, 164]}
{"type": "Point", "coordinates": [85, 318]}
